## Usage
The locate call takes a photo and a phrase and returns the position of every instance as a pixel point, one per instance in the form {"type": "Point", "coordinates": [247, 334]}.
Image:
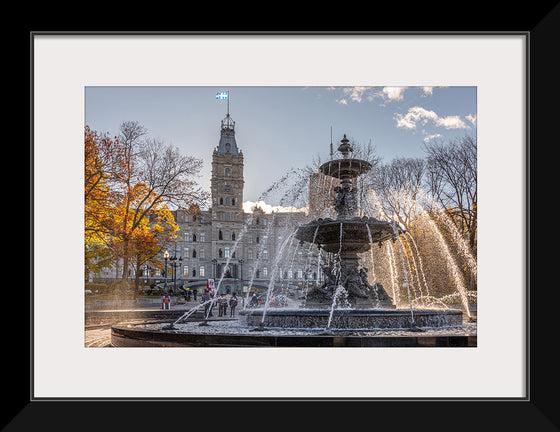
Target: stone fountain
{"type": "Point", "coordinates": [346, 300]}
{"type": "Point", "coordinates": [347, 236]}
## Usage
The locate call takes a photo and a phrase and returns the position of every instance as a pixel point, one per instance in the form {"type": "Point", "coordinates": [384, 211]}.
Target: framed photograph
{"type": "Point", "coordinates": [482, 80]}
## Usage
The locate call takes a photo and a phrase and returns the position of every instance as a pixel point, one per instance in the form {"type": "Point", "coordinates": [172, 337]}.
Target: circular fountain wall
{"type": "Point", "coordinates": [350, 319]}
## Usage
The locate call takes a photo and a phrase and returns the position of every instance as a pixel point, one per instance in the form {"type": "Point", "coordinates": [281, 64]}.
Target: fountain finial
{"type": "Point", "coordinates": [344, 147]}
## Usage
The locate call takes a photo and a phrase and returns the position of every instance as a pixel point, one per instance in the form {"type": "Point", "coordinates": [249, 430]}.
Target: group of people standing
{"type": "Point", "coordinates": [223, 300]}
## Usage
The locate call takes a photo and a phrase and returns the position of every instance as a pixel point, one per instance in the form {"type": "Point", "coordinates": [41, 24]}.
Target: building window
{"type": "Point", "coordinates": [228, 172]}
{"type": "Point", "coordinates": [250, 239]}
{"type": "Point", "coordinates": [250, 272]}
{"type": "Point", "coordinates": [201, 271]}
{"type": "Point", "coordinates": [265, 254]}
{"type": "Point", "coordinates": [194, 253]}
{"type": "Point", "coordinates": [187, 236]}
{"type": "Point", "coordinates": [258, 239]}
{"type": "Point", "coordinates": [290, 274]}
{"type": "Point", "coordinates": [300, 274]}
{"type": "Point", "coordinates": [194, 237]}
{"type": "Point", "coordinates": [186, 271]}
{"type": "Point", "coordinates": [226, 252]}
{"type": "Point", "coordinates": [202, 236]}
{"type": "Point", "coordinates": [220, 235]}
{"type": "Point", "coordinates": [201, 253]}
{"type": "Point", "coordinates": [201, 219]}
{"type": "Point", "coordinates": [186, 252]}
{"type": "Point", "coordinates": [233, 236]}
{"type": "Point", "coordinates": [227, 216]}
{"type": "Point", "coordinates": [221, 201]}
{"type": "Point", "coordinates": [233, 201]}
{"type": "Point", "coordinates": [265, 272]}
{"type": "Point", "coordinates": [250, 254]}
{"type": "Point", "coordinates": [265, 221]}
{"type": "Point", "coordinates": [220, 253]}
{"type": "Point", "coordinates": [194, 272]}
{"type": "Point", "coordinates": [227, 201]}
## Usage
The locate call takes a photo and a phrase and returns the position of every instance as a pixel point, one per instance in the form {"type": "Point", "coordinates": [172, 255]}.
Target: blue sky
{"type": "Point", "coordinates": [279, 128]}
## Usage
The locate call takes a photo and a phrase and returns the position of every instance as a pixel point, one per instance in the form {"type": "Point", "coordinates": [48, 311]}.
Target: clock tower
{"type": "Point", "coordinates": [227, 202]}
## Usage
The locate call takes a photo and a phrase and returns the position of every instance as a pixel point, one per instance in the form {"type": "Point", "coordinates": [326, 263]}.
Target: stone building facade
{"type": "Point", "coordinates": [238, 250]}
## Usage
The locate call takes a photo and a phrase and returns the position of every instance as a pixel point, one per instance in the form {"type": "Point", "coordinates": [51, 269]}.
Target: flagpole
{"type": "Point", "coordinates": [228, 103]}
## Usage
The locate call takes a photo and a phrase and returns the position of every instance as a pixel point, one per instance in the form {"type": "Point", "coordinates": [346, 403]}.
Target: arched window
{"type": "Point", "coordinates": [220, 235]}
{"type": "Point", "coordinates": [233, 236]}
{"type": "Point", "coordinates": [220, 253]}
{"type": "Point", "coordinates": [233, 201]}
{"type": "Point", "coordinates": [194, 253]}
{"type": "Point", "coordinates": [221, 201]}
{"type": "Point", "coordinates": [258, 238]}
{"type": "Point", "coordinates": [194, 237]}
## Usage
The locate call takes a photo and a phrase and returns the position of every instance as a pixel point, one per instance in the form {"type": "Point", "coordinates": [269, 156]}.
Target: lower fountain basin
{"type": "Point", "coordinates": [350, 319]}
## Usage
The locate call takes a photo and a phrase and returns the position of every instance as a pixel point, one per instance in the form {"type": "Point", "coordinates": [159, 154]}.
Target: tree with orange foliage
{"type": "Point", "coordinates": [144, 178]}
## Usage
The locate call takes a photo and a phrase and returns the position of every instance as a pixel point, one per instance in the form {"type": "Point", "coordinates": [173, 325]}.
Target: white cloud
{"type": "Point", "coordinates": [267, 208]}
{"type": "Point", "coordinates": [418, 115]}
{"type": "Point", "coordinates": [393, 93]}
{"type": "Point", "coordinates": [429, 137]}
{"type": "Point", "coordinates": [472, 119]}
{"type": "Point", "coordinates": [360, 93]}
{"type": "Point", "coordinates": [428, 91]}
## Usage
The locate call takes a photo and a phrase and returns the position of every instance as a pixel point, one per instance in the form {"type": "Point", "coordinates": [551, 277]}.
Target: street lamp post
{"type": "Point", "coordinates": [174, 264]}
{"type": "Point", "coordinates": [241, 274]}
{"type": "Point", "coordinates": [165, 257]}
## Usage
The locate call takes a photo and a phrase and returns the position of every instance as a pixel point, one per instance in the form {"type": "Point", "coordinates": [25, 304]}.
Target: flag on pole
{"type": "Point", "coordinates": [222, 95]}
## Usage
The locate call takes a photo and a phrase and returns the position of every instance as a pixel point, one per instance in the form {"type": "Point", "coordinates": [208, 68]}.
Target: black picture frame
{"type": "Point", "coordinates": [538, 411]}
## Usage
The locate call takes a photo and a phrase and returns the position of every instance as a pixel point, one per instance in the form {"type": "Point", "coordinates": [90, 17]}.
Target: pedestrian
{"type": "Point", "coordinates": [221, 305]}
{"type": "Point", "coordinates": [166, 302]}
{"type": "Point", "coordinates": [254, 301]}
{"type": "Point", "coordinates": [206, 299]}
{"type": "Point", "coordinates": [232, 304]}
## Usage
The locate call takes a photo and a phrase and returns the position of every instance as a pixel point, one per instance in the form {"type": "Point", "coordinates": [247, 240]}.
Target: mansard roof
{"type": "Point", "coordinates": [227, 138]}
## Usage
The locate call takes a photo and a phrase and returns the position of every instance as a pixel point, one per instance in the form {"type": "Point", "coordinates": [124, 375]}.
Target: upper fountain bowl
{"type": "Point", "coordinates": [345, 168]}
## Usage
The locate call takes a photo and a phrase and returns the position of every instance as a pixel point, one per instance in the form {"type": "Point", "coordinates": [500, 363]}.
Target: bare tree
{"type": "Point", "coordinates": [397, 185]}
{"type": "Point", "coordinates": [452, 181]}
